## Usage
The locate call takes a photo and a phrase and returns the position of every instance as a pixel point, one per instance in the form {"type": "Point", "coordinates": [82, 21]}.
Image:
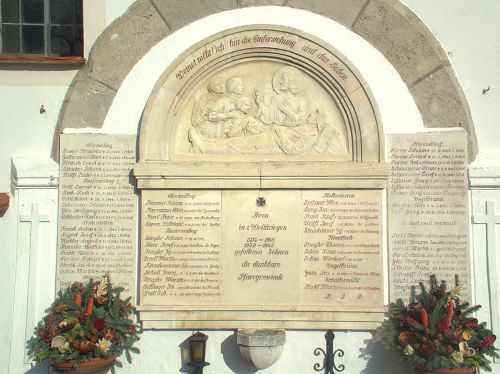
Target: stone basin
{"type": "Point", "coordinates": [262, 347]}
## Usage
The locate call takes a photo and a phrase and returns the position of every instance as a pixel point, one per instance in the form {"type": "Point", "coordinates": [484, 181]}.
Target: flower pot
{"type": "Point", "coordinates": [94, 366]}
{"type": "Point", "coordinates": [448, 371]}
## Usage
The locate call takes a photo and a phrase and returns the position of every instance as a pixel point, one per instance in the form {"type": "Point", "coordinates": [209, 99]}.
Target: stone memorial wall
{"type": "Point", "coordinates": [97, 209]}
{"type": "Point", "coordinates": [262, 179]}
{"type": "Point", "coordinates": [278, 249]}
{"type": "Point", "coordinates": [428, 210]}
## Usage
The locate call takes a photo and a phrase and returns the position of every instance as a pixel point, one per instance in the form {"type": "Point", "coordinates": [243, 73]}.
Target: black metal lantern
{"type": "Point", "coordinates": [197, 349]}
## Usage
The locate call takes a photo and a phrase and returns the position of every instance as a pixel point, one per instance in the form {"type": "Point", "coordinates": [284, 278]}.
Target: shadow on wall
{"type": "Point", "coordinates": [232, 357]}
{"type": "Point", "coordinates": [42, 368]}
{"type": "Point", "coordinates": [381, 360]}
{"type": "Point", "coordinates": [184, 355]}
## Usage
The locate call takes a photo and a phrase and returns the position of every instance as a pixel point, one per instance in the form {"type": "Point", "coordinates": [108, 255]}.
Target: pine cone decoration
{"type": "Point", "coordinates": [410, 320]}
{"type": "Point", "coordinates": [124, 308]}
{"type": "Point", "coordinates": [61, 308]}
{"type": "Point", "coordinates": [427, 350]}
{"type": "Point", "coordinates": [83, 346]}
{"type": "Point", "coordinates": [101, 300]}
{"type": "Point", "coordinates": [91, 337]}
{"type": "Point", "coordinates": [78, 287]}
{"type": "Point", "coordinates": [406, 337]}
{"type": "Point", "coordinates": [133, 329]}
{"type": "Point", "coordinates": [45, 335]}
{"type": "Point", "coordinates": [110, 335]}
{"type": "Point", "coordinates": [67, 325]}
{"type": "Point", "coordinates": [471, 323]}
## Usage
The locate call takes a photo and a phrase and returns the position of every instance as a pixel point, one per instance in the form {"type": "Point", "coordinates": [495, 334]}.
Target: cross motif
{"type": "Point", "coordinates": [491, 220]}
{"type": "Point", "coordinates": [35, 219]}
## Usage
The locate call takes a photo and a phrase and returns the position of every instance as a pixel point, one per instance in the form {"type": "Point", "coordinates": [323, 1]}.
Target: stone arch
{"type": "Point", "coordinates": [335, 98]}
{"type": "Point", "coordinates": [387, 24]}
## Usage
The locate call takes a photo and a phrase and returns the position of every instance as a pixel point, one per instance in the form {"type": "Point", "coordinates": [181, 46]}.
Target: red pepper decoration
{"type": "Point", "coordinates": [425, 318]}
{"type": "Point", "coordinates": [78, 299]}
{"type": "Point", "coordinates": [451, 310]}
{"type": "Point", "coordinates": [90, 305]}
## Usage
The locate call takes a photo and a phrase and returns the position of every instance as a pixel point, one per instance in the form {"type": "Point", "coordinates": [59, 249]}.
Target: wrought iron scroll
{"type": "Point", "coordinates": [329, 365]}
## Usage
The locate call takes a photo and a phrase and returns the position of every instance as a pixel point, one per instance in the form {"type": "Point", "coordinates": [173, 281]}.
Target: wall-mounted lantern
{"type": "Point", "coordinates": [4, 202]}
{"type": "Point", "coordinates": [197, 349]}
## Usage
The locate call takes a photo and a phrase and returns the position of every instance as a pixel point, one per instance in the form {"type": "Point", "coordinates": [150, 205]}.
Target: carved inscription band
{"type": "Point", "coordinates": [274, 248]}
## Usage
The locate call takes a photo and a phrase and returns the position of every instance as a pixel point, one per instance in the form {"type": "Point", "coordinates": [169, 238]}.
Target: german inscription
{"type": "Point", "coordinates": [97, 209]}
{"type": "Point", "coordinates": [428, 211]}
{"type": "Point", "coordinates": [272, 247]}
{"type": "Point", "coordinates": [181, 252]}
{"type": "Point", "coordinates": [342, 247]}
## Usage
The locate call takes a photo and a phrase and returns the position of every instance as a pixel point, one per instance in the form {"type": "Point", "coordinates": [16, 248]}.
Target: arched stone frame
{"type": "Point", "coordinates": [387, 24]}
{"type": "Point", "coordinates": [162, 170]}
{"type": "Point", "coordinates": [357, 109]}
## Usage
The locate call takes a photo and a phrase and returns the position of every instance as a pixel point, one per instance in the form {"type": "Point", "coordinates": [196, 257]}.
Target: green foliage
{"type": "Point", "coordinates": [84, 323]}
{"type": "Point", "coordinates": [453, 337]}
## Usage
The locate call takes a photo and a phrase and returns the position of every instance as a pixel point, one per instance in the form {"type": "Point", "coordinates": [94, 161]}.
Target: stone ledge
{"type": "Point", "coordinates": [34, 171]}
{"type": "Point", "coordinates": [158, 318]}
{"type": "Point", "coordinates": [254, 175]}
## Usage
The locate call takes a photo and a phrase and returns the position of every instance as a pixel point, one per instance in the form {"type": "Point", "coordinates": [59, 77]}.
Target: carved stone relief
{"type": "Point", "coordinates": [264, 108]}
{"type": "Point", "coordinates": [261, 93]}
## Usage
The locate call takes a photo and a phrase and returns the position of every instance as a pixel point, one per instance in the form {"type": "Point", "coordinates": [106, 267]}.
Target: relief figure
{"type": "Point", "coordinates": [226, 120]}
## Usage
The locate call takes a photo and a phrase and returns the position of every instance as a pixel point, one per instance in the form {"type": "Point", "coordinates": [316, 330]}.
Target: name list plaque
{"type": "Point", "coordinates": [97, 210]}
{"type": "Point", "coordinates": [428, 210]}
{"type": "Point", "coordinates": [268, 250]}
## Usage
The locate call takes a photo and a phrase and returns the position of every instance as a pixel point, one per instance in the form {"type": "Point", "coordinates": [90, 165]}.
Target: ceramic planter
{"type": "Point", "coordinates": [94, 366]}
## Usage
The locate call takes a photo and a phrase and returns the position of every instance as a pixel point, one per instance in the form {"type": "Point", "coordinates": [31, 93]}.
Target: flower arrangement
{"type": "Point", "coordinates": [437, 331]}
{"type": "Point", "coordinates": [85, 322]}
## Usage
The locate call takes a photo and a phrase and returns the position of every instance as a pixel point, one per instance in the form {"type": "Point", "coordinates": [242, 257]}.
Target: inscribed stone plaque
{"type": "Point", "coordinates": [308, 249]}
{"type": "Point", "coordinates": [97, 209]}
{"type": "Point", "coordinates": [342, 247]}
{"type": "Point", "coordinates": [181, 254]}
{"type": "Point", "coordinates": [428, 210]}
{"type": "Point", "coordinates": [262, 235]}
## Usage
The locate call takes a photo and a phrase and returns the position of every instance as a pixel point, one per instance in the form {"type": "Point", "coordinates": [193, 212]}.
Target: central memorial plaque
{"type": "Point", "coordinates": [274, 249]}
{"type": "Point", "coordinates": [262, 186]}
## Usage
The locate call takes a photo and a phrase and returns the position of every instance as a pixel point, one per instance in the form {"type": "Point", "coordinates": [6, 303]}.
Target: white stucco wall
{"type": "Point", "coordinates": [24, 130]}
{"type": "Point", "coordinates": [469, 32]}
